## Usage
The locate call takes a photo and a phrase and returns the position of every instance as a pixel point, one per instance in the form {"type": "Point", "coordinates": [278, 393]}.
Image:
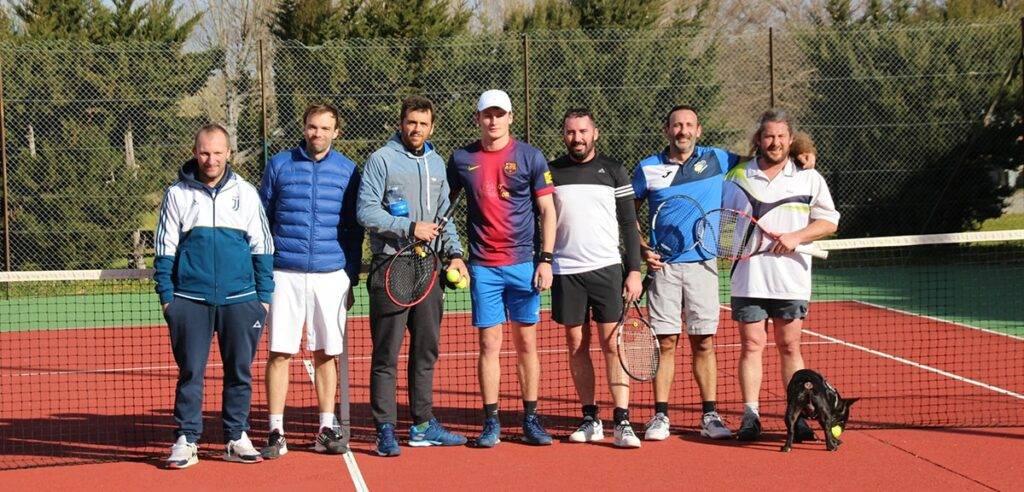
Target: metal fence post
{"type": "Point", "coordinates": [263, 105]}
{"type": "Point", "coordinates": [526, 83]}
{"type": "Point", "coordinates": [771, 67]}
{"type": "Point", "coordinates": [3, 174]}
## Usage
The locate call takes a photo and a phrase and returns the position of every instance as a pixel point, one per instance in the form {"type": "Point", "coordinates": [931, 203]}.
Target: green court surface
{"type": "Point", "coordinates": [984, 296]}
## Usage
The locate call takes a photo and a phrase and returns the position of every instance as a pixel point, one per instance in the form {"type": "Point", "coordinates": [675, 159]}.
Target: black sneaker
{"type": "Point", "coordinates": [330, 441]}
{"type": "Point", "coordinates": [276, 446]}
{"type": "Point", "coordinates": [803, 431]}
{"type": "Point", "coordinates": [750, 429]}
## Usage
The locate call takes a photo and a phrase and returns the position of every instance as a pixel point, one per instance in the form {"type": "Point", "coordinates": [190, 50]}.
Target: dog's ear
{"type": "Point", "coordinates": [850, 401]}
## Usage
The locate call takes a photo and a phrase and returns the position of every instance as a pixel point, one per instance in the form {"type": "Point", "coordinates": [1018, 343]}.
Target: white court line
{"type": "Point", "coordinates": [918, 365]}
{"type": "Point", "coordinates": [934, 318]}
{"type": "Point", "coordinates": [353, 471]}
{"type": "Point", "coordinates": [350, 459]}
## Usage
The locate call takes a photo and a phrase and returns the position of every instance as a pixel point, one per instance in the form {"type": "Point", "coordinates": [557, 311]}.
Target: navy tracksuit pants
{"type": "Point", "coordinates": [192, 325]}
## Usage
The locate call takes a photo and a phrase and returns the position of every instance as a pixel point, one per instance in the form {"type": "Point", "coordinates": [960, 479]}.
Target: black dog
{"type": "Point", "coordinates": [810, 396]}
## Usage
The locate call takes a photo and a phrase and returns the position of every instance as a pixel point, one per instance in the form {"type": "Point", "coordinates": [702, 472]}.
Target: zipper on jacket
{"type": "Point", "coordinates": [312, 224]}
{"type": "Point", "coordinates": [216, 288]}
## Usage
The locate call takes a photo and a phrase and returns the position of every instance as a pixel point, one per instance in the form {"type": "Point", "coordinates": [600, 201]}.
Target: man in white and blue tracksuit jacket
{"type": "Point", "coordinates": [404, 190]}
{"type": "Point", "coordinates": [213, 274]}
{"type": "Point", "coordinates": [310, 196]}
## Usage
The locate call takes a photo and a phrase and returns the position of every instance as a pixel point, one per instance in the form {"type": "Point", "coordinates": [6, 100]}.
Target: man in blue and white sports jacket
{"type": "Point", "coordinates": [213, 274]}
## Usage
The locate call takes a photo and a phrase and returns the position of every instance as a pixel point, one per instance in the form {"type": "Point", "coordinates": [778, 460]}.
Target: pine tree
{"type": "Point", "coordinates": [99, 88]}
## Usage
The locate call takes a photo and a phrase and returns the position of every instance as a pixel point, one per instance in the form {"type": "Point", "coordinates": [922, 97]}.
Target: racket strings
{"type": "Point", "coordinates": [674, 225]}
{"type": "Point", "coordinates": [638, 349]}
{"type": "Point", "coordinates": [731, 234]}
{"type": "Point", "coordinates": [411, 275]}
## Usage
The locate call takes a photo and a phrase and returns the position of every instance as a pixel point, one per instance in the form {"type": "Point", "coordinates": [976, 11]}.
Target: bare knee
{"type": "Point", "coordinates": [702, 345]}
{"type": "Point", "coordinates": [753, 341]}
{"type": "Point", "coordinates": [577, 340]}
{"type": "Point", "coordinates": [490, 342]}
{"type": "Point", "coordinates": [667, 345]}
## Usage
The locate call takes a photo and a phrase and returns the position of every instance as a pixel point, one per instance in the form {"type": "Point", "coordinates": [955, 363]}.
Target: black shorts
{"type": "Point", "coordinates": [754, 309]}
{"type": "Point", "coordinates": [598, 291]}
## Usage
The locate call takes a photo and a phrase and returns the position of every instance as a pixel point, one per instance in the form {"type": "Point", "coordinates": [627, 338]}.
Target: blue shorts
{"type": "Point", "coordinates": [497, 290]}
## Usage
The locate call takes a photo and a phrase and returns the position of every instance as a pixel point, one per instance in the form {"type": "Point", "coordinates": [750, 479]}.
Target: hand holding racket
{"type": "Point", "coordinates": [736, 235]}
{"type": "Point", "coordinates": [412, 271]}
{"type": "Point", "coordinates": [637, 345]}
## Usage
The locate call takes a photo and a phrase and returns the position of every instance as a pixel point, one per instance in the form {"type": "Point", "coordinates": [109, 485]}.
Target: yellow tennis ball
{"type": "Point", "coordinates": [462, 283]}
{"type": "Point", "coordinates": [453, 275]}
{"type": "Point", "coordinates": [836, 431]}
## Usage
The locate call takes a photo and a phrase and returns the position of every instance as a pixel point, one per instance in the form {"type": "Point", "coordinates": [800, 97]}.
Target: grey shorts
{"type": "Point", "coordinates": [689, 287]}
{"type": "Point", "coordinates": [754, 309]}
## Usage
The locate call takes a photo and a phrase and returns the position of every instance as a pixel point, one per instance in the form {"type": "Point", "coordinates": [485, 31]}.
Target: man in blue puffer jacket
{"type": "Point", "coordinates": [213, 263]}
{"type": "Point", "coordinates": [310, 196]}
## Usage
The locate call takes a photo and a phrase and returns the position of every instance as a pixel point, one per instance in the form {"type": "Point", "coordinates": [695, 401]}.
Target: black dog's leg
{"type": "Point", "coordinates": [831, 442]}
{"type": "Point", "coordinates": [792, 413]}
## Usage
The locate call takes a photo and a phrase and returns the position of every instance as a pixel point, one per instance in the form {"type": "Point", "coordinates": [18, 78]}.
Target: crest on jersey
{"type": "Point", "coordinates": [234, 203]}
{"type": "Point", "coordinates": [700, 166]}
{"type": "Point", "coordinates": [510, 168]}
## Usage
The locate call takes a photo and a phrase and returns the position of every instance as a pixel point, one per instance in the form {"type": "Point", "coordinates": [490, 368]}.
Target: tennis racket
{"type": "Point", "coordinates": [736, 235]}
{"type": "Point", "coordinates": [674, 225]}
{"type": "Point", "coordinates": [637, 345]}
{"type": "Point", "coordinates": [412, 271]}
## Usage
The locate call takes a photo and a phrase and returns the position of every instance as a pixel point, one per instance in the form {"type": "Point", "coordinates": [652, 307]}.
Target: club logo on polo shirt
{"type": "Point", "coordinates": [234, 203]}
{"type": "Point", "coordinates": [510, 168]}
{"type": "Point", "coordinates": [700, 166]}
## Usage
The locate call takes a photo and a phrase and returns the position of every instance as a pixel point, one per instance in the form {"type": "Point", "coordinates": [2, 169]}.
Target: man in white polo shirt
{"type": "Point", "coordinates": [795, 204]}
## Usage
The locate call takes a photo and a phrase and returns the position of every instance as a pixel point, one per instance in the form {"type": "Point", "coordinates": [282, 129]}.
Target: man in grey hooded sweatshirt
{"type": "Point", "coordinates": [403, 190]}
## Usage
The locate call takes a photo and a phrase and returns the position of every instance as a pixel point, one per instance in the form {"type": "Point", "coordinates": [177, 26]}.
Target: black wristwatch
{"type": "Point", "coordinates": [545, 257]}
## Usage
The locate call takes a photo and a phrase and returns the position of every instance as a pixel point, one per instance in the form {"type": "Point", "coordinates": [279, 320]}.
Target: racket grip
{"type": "Point", "coordinates": [812, 250]}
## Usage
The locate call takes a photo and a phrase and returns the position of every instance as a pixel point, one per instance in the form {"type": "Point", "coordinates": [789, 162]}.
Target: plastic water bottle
{"type": "Point", "coordinates": [397, 205]}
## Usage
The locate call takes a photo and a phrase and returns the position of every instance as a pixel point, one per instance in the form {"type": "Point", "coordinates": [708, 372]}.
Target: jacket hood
{"type": "Point", "coordinates": [187, 174]}
{"type": "Point", "coordinates": [395, 144]}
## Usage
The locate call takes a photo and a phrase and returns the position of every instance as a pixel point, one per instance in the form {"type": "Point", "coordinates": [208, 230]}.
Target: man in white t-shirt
{"type": "Point", "coordinates": [796, 206]}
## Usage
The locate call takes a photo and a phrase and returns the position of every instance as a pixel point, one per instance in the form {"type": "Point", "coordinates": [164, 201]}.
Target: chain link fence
{"type": "Point", "coordinates": [93, 134]}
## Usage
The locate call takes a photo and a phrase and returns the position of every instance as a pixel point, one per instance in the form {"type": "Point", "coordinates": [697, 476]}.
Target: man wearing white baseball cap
{"type": "Point", "coordinates": [505, 179]}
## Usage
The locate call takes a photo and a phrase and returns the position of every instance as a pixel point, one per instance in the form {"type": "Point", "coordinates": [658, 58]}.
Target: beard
{"type": "Point", "coordinates": [775, 156]}
{"type": "Point", "coordinates": [579, 155]}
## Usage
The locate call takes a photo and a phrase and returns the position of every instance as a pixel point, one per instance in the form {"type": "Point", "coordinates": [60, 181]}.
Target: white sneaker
{"type": "Point", "coordinates": [712, 426]}
{"type": "Point", "coordinates": [657, 428]}
{"type": "Point", "coordinates": [625, 437]}
{"type": "Point", "coordinates": [241, 450]}
{"type": "Point", "coordinates": [590, 430]}
{"type": "Point", "coordinates": [183, 454]}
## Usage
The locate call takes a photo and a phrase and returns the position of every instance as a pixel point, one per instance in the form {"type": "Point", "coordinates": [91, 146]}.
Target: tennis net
{"type": "Point", "coordinates": [926, 330]}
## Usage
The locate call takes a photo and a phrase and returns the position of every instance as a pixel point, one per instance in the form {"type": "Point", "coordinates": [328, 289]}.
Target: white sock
{"type": "Point", "coordinates": [751, 408]}
{"type": "Point", "coordinates": [326, 419]}
{"type": "Point", "coordinates": [277, 422]}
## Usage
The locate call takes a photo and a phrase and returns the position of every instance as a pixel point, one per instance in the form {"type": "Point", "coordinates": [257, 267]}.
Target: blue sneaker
{"type": "Point", "coordinates": [491, 434]}
{"type": "Point", "coordinates": [434, 435]}
{"type": "Point", "coordinates": [533, 432]}
{"type": "Point", "coordinates": [387, 445]}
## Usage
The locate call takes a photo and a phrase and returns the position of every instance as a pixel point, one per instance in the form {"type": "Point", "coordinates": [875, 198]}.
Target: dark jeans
{"type": "Point", "coordinates": [388, 323]}
{"type": "Point", "coordinates": [192, 325]}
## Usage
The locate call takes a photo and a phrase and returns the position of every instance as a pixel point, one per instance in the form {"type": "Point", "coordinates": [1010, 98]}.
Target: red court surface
{"type": "Point", "coordinates": [889, 459]}
{"type": "Point", "coordinates": [115, 390]}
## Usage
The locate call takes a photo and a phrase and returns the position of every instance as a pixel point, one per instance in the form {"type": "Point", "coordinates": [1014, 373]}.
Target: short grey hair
{"type": "Point", "coordinates": [774, 115]}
